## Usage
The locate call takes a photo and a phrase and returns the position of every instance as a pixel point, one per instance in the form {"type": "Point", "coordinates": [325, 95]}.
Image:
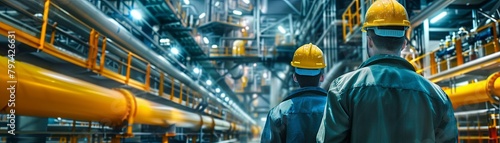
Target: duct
{"type": "Point", "coordinates": [43, 93]}
{"type": "Point", "coordinates": [428, 11]}
{"type": "Point", "coordinates": [85, 11]}
{"type": "Point", "coordinates": [336, 71]}
{"type": "Point", "coordinates": [483, 91]}
{"type": "Point", "coordinates": [466, 67]}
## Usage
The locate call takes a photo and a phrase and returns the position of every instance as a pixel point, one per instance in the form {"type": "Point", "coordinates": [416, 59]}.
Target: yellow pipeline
{"type": "Point", "coordinates": [476, 92]}
{"type": "Point", "coordinates": [43, 93]}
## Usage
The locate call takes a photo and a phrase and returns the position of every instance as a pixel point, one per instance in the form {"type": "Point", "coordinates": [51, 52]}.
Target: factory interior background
{"type": "Point", "coordinates": [133, 71]}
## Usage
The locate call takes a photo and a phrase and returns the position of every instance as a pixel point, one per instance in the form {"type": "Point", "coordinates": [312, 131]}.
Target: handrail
{"type": "Point", "coordinates": [90, 62]}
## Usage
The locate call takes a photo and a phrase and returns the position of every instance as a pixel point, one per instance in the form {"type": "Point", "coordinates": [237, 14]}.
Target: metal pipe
{"type": "Point", "coordinates": [84, 10]}
{"type": "Point", "coordinates": [43, 93]}
{"type": "Point", "coordinates": [473, 112]}
{"type": "Point", "coordinates": [467, 67]}
{"type": "Point", "coordinates": [335, 72]}
{"type": "Point", "coordinates": [483, 91]}
{"type": "Point", "coordinates": [428, 11]}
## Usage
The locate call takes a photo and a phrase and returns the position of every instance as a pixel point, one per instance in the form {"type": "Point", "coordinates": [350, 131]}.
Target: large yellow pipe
{"type": "Point", "coordinates": [476, 92]}
{"type": "Point", "coordinates": [43, 93]}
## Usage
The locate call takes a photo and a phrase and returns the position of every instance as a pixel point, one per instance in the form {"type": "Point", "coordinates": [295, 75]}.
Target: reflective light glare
{"type": "Point", "coordinates": [164, 40]}
{"type": "Point", "coordinates": [202, 15]}
{"type": "Point", "coordinates": [264, 75]}
{"type": "Point", "coordinates": [135, 14]}
{"type": "Point", "coordinates": [237, 12]}
{"type": "Point", "coordinates": [209, 82]}
{"type": "Point", "coordinates": [217, 3]}
{"type": "Point", "coordinates": [186, 1]}
{"type": "Point", "coordinates": [205, 40]}
{"type": "Point", "coordinates": [254, 96]}
{"type": "Point", "coordinates": [217, 90]}
{"type": "Point", "coordinates": [281, 29]}
{"type": "Point", "coordinates": [214, 46]}
{"type": "Point", "coordinates": [38, 15]}
{"type": "Point", "coordinates": [247, 27]}
{"type": "Point", "coordinates": [254, 64]}
{"type": "Point", "coordinates": [263, 119]}
{"type": "Point", "coordinates": [223, 95]}
{"type": "Point", "coordinates": [246, 1]}
{"type": "Point", "coordinates": [174, 51]}
{"type": "Point", "coordinates": [196, 70]}
{"type": "Point", "coordinates": [226, 99]}
{"type": "Point", "coordinates": [438, 17]}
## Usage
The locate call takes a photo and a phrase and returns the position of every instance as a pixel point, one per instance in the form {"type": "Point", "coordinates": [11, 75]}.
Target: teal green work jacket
{"type": "Point", "coordinates": [386, 101]}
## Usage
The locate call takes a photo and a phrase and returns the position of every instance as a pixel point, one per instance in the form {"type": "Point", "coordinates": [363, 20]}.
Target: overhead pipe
{"type": "Point", "coordinates": [85, 11]}
{"type": "Point", "coordinates": [39, 92]}
{"type": "Point", "coordinates": [428, 11]}
{"type": "Point", "coordinates": [483, 91]}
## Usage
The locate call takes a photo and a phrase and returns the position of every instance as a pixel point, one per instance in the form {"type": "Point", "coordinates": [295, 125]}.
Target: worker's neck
{"type": "Point", "coordinates": [386, 52]}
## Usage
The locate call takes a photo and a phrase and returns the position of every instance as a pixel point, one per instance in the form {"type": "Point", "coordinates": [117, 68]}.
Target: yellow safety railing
{"type": "Point", "coordinates": [352, 16]}
{"type": "Point", "coordinates": [434, 67]}
{"type": "Point", "coordinates": [96, 63]}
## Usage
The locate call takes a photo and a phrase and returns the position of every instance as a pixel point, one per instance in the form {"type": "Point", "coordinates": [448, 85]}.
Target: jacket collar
{"type": "Point", "coordinates": [314, 90]}
{"type": "Point", "coordinates": [388, 60]}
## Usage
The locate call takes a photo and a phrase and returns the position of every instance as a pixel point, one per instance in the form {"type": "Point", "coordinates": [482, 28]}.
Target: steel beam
{"type": "Point", "coordinates": [291, 6]}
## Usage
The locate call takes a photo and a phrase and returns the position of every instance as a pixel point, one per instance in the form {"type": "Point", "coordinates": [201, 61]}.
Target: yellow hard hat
{"type": "Point", "coordinates": [308, 59]}
{"type": "Point", "coordinates": [386, 13]}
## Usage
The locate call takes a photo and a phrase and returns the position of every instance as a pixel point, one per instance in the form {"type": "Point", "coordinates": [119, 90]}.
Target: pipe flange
{"type": "Point", "coordinates": [131, 111]}
{"type": "Point", "coordinates": [490, 86]}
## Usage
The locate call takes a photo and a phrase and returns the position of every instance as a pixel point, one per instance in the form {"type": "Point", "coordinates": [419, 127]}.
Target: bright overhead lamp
{"type": "Point", "coordinates": [174, 50]}
{"type": "Point", "coordinates": [264, 75]}
{"type": "Point", "coordinates": [214, 46]}
{"type": "Point", "coordinates": [209, 82]}
{"type": "Point", "coordinates": [205, 40]}
{"type": "Point", "coordinates": [254, 64]}
{"type": "Point", "coordinates": [281, 29]}
{"type": "Point", "coordinates": [186, 1]}
{"type": "Point", "coordinates": [223, 95]}
{"type": "Point", "coordinates": [439, 17]}
{"type": "Point", "coordinates": [246, 1]}
{"type": "Point", "coordinates": [196, 70]}
{"type": "Point", "coordinates": [202, 15]}
{"type": "Point", "coordinates": [136, 14]}
{"type": "Point", "coordinates": [217, 3]}
{"type": "Point", "coordinates": [226, 99]}
{"type": "Point", "coordinates": [237, 12]}
{"type": "Point", "coordinates": [217, 90]}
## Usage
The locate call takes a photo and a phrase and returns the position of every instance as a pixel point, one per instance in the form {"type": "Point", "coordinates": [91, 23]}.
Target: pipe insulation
{"type": "Point", "coordinates": [39, 92]}
{"type": "Point", "coordinates": [85, 11]}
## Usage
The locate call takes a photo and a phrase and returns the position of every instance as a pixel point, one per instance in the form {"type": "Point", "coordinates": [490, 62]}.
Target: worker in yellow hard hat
{"type": "Point", "coordinates": [385, 100]}
{"type": "Point", "coordinates": [297, 117]}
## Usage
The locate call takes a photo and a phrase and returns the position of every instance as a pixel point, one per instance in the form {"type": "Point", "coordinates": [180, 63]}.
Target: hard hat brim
{"type": "Point", "coordinates": [388, 32]}
{"type": "Point", "coordinates": [307, 72]}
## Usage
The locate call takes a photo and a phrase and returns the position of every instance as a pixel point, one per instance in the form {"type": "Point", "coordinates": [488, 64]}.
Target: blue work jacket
{"type": "Point", "coordinates": [386, 101]}
{"type": "Point", "coordinates": [297, 118]}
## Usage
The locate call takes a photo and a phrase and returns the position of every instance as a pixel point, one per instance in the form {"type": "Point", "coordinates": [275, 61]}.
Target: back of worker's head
{"type": "Point", "coordinates": [308, 62]}
{"type": "Point", "coordinates": [386, 22]}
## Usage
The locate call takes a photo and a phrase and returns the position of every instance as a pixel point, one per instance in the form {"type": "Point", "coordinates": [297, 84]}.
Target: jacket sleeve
{"type": "Point", "coordinates": [335, 126]}
{"type": "Point", "coordinates": [447, 131]}
{"type": "Point", "coordinates": [273, 130]}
